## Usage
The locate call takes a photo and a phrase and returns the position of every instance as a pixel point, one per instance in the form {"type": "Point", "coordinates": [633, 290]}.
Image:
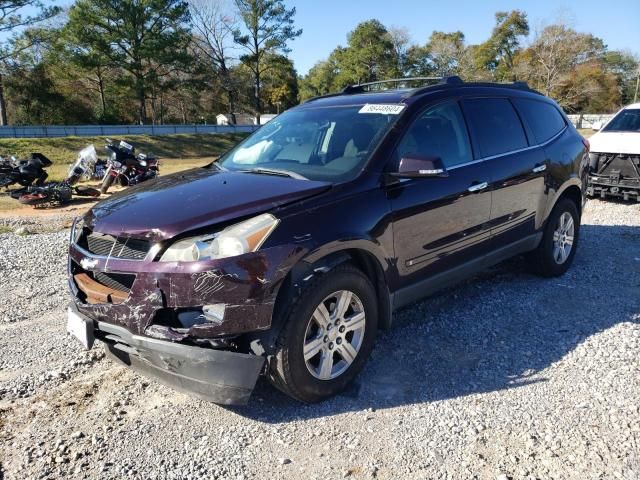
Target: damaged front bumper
{"type": "Point", "coordinates": [218, 376]}
{"type": "Point", "coordinates": [185, 324]}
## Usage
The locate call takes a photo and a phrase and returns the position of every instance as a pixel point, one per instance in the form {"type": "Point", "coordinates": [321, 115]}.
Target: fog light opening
{"type": "Point", "coordinates": [214, 313]}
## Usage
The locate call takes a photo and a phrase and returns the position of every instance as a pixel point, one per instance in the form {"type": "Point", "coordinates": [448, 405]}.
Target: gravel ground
{"type": "Point", "coordinates": [505, 376]}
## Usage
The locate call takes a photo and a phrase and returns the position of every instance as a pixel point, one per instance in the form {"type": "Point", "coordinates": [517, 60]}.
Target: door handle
{"type": "Point", "coordinates": [476, 187]}
{"type": "Point", "coordinates": [539, 168]}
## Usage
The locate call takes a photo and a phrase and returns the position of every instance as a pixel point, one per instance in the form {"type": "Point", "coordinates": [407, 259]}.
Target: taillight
{"type": "Point", "coordinates": [586, 144]}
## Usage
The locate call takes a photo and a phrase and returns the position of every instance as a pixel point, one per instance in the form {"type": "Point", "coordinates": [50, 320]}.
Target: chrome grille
{"type": "Point", "coordinates": [117, 281]}
{"type": "Point", "coordinates": [117, 247]}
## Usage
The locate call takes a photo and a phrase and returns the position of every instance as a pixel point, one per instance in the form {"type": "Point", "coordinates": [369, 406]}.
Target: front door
{"type": "Point", "coordinates": [439, 222]}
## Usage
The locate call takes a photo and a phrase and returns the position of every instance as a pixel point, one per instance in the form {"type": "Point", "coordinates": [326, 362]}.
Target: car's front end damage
{"type": "Point", "coordinates": [614, 175]}
{"type": "Point", "coordinates": [183, 323]}
{"type": "Point", "coordinates": [178, 276]}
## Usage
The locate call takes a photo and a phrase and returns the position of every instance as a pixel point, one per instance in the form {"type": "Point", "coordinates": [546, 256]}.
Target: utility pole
{"type": "Point", "coordinates": [635, 97]}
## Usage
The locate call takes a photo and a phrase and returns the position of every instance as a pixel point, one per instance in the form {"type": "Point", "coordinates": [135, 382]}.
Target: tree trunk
{"type": "Point", "coordinates": [3, 105]}
{"type": "Point", "coordinates": [154, 113]}
{"type": "Point", "coordinates": [232, 107]}
{"type": "Point", "coordinates": [258, 105]}
{"type": "Point", "coordinates": [257, 72]}
{"type": "Point", "coordinates": [184, 112]}
{"type": "Point", "coordinates": [231, 95]}
{"type": "Point", "coordinates": [103, 100]}
{"type": "Point", "coordinates": [142, 112]}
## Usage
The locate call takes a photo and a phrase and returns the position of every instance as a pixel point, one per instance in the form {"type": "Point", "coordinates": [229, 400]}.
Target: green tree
{"type": "Point", "coordinates": [280, 84]}
{"type": "Point", "coordinates": [442, 55]}
{"type": "Point", "coordinates": [16, 15]}
{"type": "Point", "coordinates": [626, 67]}
{"type": "Point", "coordinates": [320, 80]}
{"type": "Point", "coordinates": [570, 67]}
{"type": "Point", "coordinates": [85, 62]}
{"type": "Point", "coordinates": [498, 52]}
{"type": "Point", "coordinates": [147, 39]}
{"type": "Point", "coordinates": [370, 55]}
{"type": "Point", "coordinates": [268, 28]}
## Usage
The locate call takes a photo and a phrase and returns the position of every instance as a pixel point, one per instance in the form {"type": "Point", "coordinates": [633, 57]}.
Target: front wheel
{"type": "Point", "coordinates": [107, 181]}
{"type": "Point", "coordinates": [554, 255]}
{"type": "Point", "coordinates": [328, 336]}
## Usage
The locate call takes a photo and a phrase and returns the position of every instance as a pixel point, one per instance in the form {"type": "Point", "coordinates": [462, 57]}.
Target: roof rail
{"type": "Point", "coordinates": [360, 87]}
{"type": "Point", "coordinates": [520, 85]}
{"type": "Point", "coordinates": [452, 80]}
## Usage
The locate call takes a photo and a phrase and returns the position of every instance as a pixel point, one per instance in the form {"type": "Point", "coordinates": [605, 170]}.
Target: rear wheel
{"type": "Point", "coordinates": [328, 337]}
{"type": "Point", "coordinates": [86, 192]}
{"type": "Point", "coordinates": [554, 255]}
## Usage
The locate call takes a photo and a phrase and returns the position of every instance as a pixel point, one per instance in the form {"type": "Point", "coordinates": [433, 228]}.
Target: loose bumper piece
{"type": "Point", "coordinates": [218, 376]}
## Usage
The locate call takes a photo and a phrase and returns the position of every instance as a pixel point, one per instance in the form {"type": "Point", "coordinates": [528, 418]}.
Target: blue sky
{"type": "Point", "coordinates": [327, 22]}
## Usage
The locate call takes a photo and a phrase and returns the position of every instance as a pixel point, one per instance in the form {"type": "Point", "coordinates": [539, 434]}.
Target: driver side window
{"type": "Point", "coordinates": [438, 132]}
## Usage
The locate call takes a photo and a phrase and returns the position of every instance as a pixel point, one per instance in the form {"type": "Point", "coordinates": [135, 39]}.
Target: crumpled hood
{"type": "Point", "coordinates": [167, 206]}
{"type": "Point", "coordinates": [615, 142]}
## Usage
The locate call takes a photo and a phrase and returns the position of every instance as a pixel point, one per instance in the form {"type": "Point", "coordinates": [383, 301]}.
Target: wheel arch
{"type": "Point", "coordinates": [571, 190]}
{"type": "Point", "coordinates": [318, 264]}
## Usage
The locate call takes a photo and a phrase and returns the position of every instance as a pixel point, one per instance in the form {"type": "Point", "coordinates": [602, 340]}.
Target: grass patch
{"type": "Point", "coordinates": [586, 132]}
{"type": "Point", "coordinates": [5, 229]}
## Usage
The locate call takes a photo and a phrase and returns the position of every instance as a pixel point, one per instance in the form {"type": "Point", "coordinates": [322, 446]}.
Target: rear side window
{"type": "Point", "coordinates": [495, 126]}
{"type": "Point", "coordinates": [544, 119]}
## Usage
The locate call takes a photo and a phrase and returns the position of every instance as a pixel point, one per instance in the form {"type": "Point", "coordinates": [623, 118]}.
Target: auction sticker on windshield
{"type": "Point", "coordinates": [381, 108]}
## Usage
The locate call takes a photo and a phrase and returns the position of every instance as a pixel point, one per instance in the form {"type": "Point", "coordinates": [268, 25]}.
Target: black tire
{"type": "Point", "coordinates": [542, 260]}
{"type": "Point", "coordinates": [106, 183]}
{"type": "Point", "coordinates": [83, 191]}
{"type": "Point", "coordinates": [288, 369]}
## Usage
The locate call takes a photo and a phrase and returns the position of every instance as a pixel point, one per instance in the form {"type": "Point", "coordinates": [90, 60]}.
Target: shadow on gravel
{"type": "Point", "coordinates": [491, 333]}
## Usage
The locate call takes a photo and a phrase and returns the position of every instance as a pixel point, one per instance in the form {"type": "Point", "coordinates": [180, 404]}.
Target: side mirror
{"type": "Point", "coordinates": [596, 126]}
{"type": "Point", "coordinates": [417, 166]}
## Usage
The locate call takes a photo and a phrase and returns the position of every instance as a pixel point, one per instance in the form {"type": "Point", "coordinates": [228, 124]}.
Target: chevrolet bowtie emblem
{"type": "Point", "coordinates": [88, 263]}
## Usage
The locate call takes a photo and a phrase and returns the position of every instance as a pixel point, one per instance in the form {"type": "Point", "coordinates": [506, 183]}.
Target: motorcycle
{"type": "Point", "coordinates": [24, 172]}
{"type": "Point", "coordinates": [125, 166]}
{"type": "Point", "coordinates": [57, 193]}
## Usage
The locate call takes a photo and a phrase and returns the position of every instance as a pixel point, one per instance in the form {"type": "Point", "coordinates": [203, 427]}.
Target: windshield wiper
{"type": "Point", "coordinates": [278, 172]}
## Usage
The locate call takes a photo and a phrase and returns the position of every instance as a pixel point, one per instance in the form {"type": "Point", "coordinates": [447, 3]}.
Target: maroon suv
{"type": "Point", "coordinates": [285, 256]}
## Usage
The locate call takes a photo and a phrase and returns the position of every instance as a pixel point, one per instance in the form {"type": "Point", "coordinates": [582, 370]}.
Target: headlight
{"type": "Point", "coordinates": [76, 229]}
{"type": "Point", "coordinates": [244, 237]}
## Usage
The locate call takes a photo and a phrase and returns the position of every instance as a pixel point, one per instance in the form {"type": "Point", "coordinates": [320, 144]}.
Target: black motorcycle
{"type": "Point", "coordinates": [125, 166]}
{"type": "Point", "coordinates": [57, 193]}
{"type": "Point", "coordinates": [24, 172]}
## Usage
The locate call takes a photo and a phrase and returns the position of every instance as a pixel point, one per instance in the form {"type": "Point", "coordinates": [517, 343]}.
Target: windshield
{"type": "Point", "coordinates": [323, 143]}
{"type": "Point", "coordinates": [626, 121]}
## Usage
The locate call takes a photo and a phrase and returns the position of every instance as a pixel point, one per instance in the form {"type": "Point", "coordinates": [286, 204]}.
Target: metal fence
{"type": "Point", "coordinates": [580, 121]}
{"type": "Point", "coordinates": [116, 130]}
{"type": "Point", "coordinates": [586, 120]}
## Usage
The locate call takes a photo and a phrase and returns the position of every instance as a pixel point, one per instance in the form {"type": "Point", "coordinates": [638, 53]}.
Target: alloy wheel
{"type": "Point", "coordinates": [563, 238]}
{"type": "Point", "coordinates": [334, 335]}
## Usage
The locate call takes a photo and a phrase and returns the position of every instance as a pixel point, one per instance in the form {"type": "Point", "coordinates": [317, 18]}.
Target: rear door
{"type": "Point", "coordinates": [517, 167]}
{"type": "Point", "coordinates": [439, 223]}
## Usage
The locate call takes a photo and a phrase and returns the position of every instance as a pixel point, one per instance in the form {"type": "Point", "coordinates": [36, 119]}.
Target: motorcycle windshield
{"type": "Point", "coordinates": [86, 161]}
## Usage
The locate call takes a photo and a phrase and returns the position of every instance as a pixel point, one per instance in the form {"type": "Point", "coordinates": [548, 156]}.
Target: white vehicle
{"type": "Point", "coordinates": [614, 161]}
